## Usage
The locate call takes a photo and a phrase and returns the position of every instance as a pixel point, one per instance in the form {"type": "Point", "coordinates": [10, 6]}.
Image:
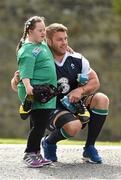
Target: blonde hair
{"type": "Point", "coordinates": [55, 27]}
{"type": "Point", "coordinates": [29, 24]}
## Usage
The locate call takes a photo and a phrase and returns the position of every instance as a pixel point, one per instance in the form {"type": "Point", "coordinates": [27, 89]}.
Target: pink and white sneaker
{"type": "Point", "coordinates": [35, 160]}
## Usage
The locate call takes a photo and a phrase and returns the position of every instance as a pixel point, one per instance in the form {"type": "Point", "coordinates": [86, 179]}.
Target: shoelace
{"type": "Point", "coordinates": [30, 158]}
{"type": "Point", "coordinates": [39, 156]}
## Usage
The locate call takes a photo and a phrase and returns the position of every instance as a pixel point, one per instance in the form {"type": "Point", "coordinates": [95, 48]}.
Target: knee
{"type": "Point", "coordinates": [72, 128]}
{"type": "Point", "coordinates": [101, 101]}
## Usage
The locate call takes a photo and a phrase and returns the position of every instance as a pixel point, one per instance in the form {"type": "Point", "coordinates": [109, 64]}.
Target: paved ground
{"type": "Point", "coordinates": [70, 165]}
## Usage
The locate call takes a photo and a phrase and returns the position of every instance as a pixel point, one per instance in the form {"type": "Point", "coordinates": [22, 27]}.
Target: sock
{"type": "Point", "coordinates": [54, 137]}
{"type": "Point", "coordinates": [65, 134]}
{"type": "Point", "coordinates": [97, 119]}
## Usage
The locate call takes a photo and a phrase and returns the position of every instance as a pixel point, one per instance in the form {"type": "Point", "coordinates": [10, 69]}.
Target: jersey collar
{"type": "Point", "coordinates": [63, 60]}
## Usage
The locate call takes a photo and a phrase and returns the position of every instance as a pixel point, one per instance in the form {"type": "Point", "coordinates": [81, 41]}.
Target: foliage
{"type": "Point", "coordinates": [117, 6]}
{"type": "Point", "coordinates": [117, 12]}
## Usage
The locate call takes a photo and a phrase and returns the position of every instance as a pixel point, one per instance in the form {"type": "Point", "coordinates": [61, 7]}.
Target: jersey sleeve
{"type": "Point", "coordinates": [85, 66]}
{"type": "Point", "coordinates": [26, 66]}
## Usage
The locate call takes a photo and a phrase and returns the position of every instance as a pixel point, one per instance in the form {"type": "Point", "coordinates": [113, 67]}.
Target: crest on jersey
{"type": "Point", "coordinates": [72, 66]}
{"type": "Point", "coordinates": [36, 51]}
{"type": "Point", "coordinates": [65, 83]}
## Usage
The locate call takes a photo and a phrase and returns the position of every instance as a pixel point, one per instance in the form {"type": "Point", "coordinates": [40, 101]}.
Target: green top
{"type": "Point", "coordinates": [36, 62]}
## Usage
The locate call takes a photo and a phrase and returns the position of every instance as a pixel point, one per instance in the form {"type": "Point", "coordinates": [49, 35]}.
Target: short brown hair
{"type": "Point", "coordinates": [55, 27]}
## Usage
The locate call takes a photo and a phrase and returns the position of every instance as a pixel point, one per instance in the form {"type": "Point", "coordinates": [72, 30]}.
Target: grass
{"type": "Point", "coordinates": [12, 141]}
{"type": "Point", "coordinates": [77, 142]}
{"type": "Point", "coordinates": [65, 142]}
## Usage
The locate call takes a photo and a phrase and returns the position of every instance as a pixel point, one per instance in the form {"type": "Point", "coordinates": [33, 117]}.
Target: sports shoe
{"type": "Point", "coordinates": [34, 160]}
{"type": "Point", "coordinates": [83, 113]}
{"type": "Point", "coordinates": [49, 150]}
{"type": "Point", "coordinates": [90, 154]}
{"type": "Point", "coordinates": [24, 114]}
{"type": "Point", "coordinates": [44, 161]}
{"type": "Point", "coordinates": [78, 108]}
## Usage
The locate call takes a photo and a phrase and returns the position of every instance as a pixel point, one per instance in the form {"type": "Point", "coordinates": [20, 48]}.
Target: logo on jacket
{"type": "Point", "coordinates": [72, 66]}
{"type": "Point", "coordinates": [36, 51]}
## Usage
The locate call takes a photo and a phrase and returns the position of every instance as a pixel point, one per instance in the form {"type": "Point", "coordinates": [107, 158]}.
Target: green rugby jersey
{"type": "Point", "coordinates": [36, 62]}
